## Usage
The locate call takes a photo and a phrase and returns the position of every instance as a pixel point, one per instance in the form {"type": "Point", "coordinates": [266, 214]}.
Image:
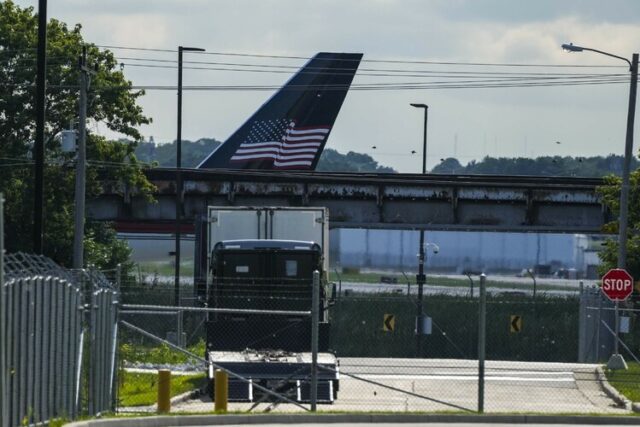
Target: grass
{"type": "Point", "coordinates": [141, 389]}
{"type": "Point", "coordinates": [626, 382]}
{"type": "Point", "coordinates": [463, 282]}
{"type": "Point", "coordinates": [164, 268]}
{"type": "Point", "coordinates": [158, 354]}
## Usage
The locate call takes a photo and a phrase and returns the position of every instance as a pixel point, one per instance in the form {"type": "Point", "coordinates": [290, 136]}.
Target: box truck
{"type": "Point", "coordinates": [255, 262]}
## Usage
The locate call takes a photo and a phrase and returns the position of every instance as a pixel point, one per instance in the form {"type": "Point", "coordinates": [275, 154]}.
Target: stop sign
{"type": "Point", "coordinates": [617, 284]}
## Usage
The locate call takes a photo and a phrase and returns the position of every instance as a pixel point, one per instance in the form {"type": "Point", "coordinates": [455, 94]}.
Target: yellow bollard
{"type": "Point", "coordinates": [164, 390]}
{"type": "Point", "coordinates": [221, 387]}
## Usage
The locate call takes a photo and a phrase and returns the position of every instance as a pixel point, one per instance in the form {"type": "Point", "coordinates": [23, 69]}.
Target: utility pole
{"type": "Point", "coordinates": [78, 235]}
{"type": "Point", "coordinates": [179, 195]}
{"type": "Point", "coordinates": [38, 146]}
{"type": "Point", "coordinates": [178, 184]}
{"type": "Point", "coordinates": [421, 278]}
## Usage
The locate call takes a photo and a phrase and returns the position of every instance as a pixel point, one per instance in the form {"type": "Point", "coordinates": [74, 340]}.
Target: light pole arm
{"type": "Point", "coordinates": [609, 54]}
{"type": "Point", "coordinates": [573, 48]}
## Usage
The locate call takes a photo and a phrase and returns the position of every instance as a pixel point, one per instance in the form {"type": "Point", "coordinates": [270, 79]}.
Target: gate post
{"type": "Point", "coordinates": [3, 343]}
{"type": "Point", "coordinates": [482, 330]}
{"type": "Point", "coordinates": [315, 300]}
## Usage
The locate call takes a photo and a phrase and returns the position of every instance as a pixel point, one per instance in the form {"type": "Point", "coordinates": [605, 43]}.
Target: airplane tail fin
{"type": "Point", "coordinates": [291, 129]}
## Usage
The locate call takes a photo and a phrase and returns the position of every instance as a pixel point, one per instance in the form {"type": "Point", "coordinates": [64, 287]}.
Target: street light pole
{"type": "Point", "coordinates": [628, 153]}
{"type": "Point", "coordinates": [628, 148]}
{"type": "Point", "coordinates": [616, 361]}
{"type": "Point", "coordinates": [421, 278]}
{"type": "Point", "coordinates": [179, 200]}
{"type": "Point", "coordinates": [424, 135]}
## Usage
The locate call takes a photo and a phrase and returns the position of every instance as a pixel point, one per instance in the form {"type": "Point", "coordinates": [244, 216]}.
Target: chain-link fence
{"type": "Point", "coordinates": [533, 341]}
{"type": "Point", "coordinates": [58, 340]}
{"type": "Point", "coordinates": [259, 331]}
{"type": "Point", "coordinates": [536, 347]}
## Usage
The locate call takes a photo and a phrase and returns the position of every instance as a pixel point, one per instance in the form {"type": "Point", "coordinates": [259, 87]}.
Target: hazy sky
{"type": "Point", "coordinates": [467, 123]}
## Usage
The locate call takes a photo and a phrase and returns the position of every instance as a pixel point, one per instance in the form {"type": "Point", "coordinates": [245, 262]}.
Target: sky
{"type": "Point", "coordinates": [467, 123]}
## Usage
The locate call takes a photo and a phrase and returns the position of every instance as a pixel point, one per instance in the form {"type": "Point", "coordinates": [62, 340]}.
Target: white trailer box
{"type": "Point", "coordinates": [309, 224]}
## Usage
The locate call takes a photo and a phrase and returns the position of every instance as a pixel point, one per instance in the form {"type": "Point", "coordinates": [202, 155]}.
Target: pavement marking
{"type": "Point", "coordinates": [155, 371]}
{"type": "Point", "coordinates": [463, 378]}
{"type": "Point", "coordinates": [474, 372]}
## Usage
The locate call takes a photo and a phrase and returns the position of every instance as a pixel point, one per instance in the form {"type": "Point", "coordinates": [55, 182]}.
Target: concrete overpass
{"type": "Point", "coordinates": [391, 201]}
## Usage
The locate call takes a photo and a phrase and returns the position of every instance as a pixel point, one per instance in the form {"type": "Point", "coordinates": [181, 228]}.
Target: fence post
{"type": "Point", "coordinates": [315, 300]}
{"type": "Point", "coordinates": [3, 321]}
{"type": "Point", "coordinates": [118, 277]}
{"type": "Point", "coordinates": [164, 391]}
{"type": "Point", "coordinates": [482, 319]}
{"type": "Point", "coordinates": [598, 327]}
{"type": "Point", "coordinates": [179, 329]}
{"type": "Point", "coordinates": [114, 361]}
{"type": "Point", "coordinates": [221, 384]}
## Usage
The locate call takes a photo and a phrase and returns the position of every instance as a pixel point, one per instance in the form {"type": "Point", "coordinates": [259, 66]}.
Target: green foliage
{"type": "Point", "coordinates": [162, 353]}
{"type": "Point", "coordinates": [626, 382]}
{"type": "Point", "coordinates": [141, 389]}
{"type": "Point", "coordinates": [449, 166]}
{"type": "Point", "coordinates": [610, 193]}
{"type": "Point", "coordinates": [103, 248]}
{"type": "Point", "coordinates": [112, 103]}
{"type": "Point", "coordinates": [595, 167]}
{"type": "Point", "coordinates": [194, 152]}
{"type": "Point", "coordinates": [332, 161]}
{"type": "Point", "coordinates": [165, 154]}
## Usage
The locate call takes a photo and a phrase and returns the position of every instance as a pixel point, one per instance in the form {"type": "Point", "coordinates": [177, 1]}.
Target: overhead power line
{"type": "Point", "coordinates": [464, 84]}
{"type": "Point", "coordinates": [373, 60]}
{"type": "Point", "coordinates": [370, 72]}
{"type": "Point", "coordinates": [390, 61]}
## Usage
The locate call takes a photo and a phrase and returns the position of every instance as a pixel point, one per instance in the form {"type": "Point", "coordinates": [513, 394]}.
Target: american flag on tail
{"type": "Point", "coordinates": [280, 140]}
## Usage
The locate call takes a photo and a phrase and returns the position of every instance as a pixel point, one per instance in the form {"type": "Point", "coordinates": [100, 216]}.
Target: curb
{"type": "Point", "coordinates": [608, 389]}
{"type": "Point", "coordinates": [208, 420]}
{"type": "Point", "coordinates": [184, 397]}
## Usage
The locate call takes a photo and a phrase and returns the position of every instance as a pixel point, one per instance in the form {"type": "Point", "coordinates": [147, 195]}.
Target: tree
{"type": "Point", "coordinates": [165, 154]}
{"type": "Point", "coordinates": [333, 161]}
{"type": "Point", "coordinates": [596, 167]}
{"type": "Point", "coordinates": [111, 102]}
{"type": "Point", "coordinates": [610, 193]}
{"type": "Point", "coordinates": [448, 166]}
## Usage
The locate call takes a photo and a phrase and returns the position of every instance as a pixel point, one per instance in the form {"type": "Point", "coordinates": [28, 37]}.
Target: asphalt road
{"type": "Point", "coordinates": [369, 384]}
{"type": "Point", "coordinates": [422, 425]}
{"type": "Point", "coordinates": [431, 289]}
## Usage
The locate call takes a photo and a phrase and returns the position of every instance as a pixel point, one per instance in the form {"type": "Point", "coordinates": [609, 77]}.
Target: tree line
{"type": "Point", "coordinates": [331, 160]}
{"type": "Point", "coordinates": [193, 152]}
{"type": "Point", "coordinates": [588, 167]}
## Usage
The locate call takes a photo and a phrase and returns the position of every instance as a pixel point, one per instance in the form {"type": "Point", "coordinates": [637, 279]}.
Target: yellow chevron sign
{"type": "Point", "coordinates": [515, 323]}
{"type": "Point", "coordinates": [389, 323]}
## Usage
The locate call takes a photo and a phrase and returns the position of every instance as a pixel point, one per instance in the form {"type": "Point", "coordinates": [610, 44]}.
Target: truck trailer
{"type": "Point", "coordinates": [262, 260]}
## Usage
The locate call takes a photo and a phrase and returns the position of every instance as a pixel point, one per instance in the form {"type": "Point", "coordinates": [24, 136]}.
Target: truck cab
{"type": "Point", "coordinates": [255, 266]}
{"type": "Point", "coordinates": [264, 275]}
